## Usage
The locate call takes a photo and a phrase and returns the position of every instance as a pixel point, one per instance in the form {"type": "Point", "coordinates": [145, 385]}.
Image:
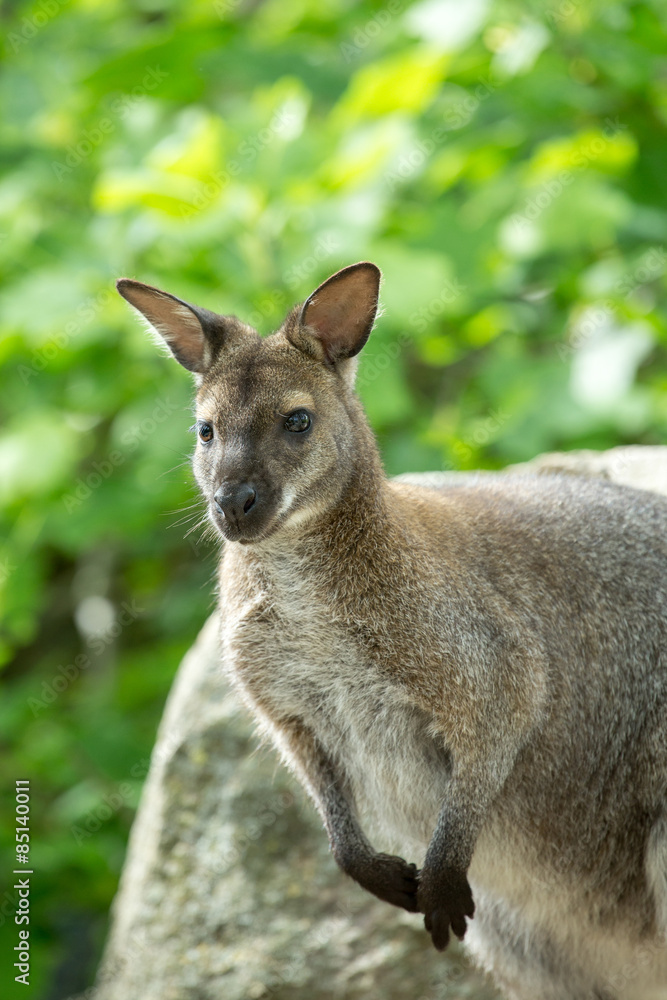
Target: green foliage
{"type": "Point", "coordinates": [502, 162]}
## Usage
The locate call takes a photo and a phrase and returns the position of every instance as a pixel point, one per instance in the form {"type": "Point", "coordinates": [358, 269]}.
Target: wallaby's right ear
{"type": "Point", "coordinates": [340, 313]}
{"type": "Point", "coordinates": [193, 335]}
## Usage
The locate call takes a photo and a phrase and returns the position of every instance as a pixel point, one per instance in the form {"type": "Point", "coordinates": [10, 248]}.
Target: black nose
{"type": "Point", "coordinates": [235, 500]}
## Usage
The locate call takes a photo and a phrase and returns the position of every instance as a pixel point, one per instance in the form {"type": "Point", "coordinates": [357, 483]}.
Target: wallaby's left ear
{"type": "Point", "coordinates": [192, 334]}
{"type": "Point", "coordinates": [341, 312]}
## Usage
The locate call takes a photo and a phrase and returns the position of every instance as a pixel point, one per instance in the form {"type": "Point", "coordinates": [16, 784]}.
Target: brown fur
{"type": "Point", "coordinates": [477, 672]}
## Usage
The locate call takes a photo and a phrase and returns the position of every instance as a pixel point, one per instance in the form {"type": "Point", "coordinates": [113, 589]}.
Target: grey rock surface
{"type": "Point", "coordinates": [229, 890]}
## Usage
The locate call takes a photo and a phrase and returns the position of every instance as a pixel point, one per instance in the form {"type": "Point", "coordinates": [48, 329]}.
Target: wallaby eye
{"type": "Point", "coordinates": [205, 432]}
{"type": "Point", "coordinates": [297, 422]}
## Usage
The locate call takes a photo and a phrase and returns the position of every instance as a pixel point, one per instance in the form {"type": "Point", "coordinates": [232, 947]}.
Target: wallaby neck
{"type": "Point", "coordinates": [359, 521]}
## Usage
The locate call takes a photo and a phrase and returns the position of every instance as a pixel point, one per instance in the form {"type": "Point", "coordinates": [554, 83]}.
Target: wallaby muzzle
{"type": "Point", "coordinates": [243, 506]}
{"type": "Point", "coordinates": [235, 501]}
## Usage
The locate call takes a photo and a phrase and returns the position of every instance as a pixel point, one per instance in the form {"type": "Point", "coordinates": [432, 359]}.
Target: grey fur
{"type": "Point", "coordinates": [475, 671]}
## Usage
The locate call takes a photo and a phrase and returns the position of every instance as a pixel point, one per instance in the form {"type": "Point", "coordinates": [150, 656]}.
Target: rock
{"type": "Point", "coordinates": [229, 889]}
{"type": "Point", "coordinates": [642, 467]}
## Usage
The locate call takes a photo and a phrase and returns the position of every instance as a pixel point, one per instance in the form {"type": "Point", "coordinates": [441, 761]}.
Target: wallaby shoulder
{"type": "Point", "coordinates": [541, 523]}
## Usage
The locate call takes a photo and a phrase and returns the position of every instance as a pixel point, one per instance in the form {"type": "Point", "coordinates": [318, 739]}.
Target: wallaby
{"type": "Point", "coordinates": [479, 671]}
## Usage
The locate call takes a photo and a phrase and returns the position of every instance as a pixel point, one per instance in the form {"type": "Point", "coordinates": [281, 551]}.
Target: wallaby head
{"type": "Point", "coordinates": [280, 430]}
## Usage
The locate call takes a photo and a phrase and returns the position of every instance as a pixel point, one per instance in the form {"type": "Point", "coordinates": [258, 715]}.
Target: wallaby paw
{"type": "Point", "coordinates": [445, 899]}
{"type": "Point", "coordinates": [391, 879]}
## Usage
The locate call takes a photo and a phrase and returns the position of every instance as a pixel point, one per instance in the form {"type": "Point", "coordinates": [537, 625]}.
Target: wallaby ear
{"type": "Point", "coordinates": [341, 312]}
{"type": "Point", "coordinates": [192, 334]}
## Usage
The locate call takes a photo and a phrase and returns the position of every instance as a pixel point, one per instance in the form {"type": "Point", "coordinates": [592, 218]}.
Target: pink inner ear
{"type": "Point", "coordinates": [172, 319]}
{"type": "Point", "coordinates": [332, 319]}
{"type": "Point", "coordinates": [342, 310]}
{"type": "Point", "coordinates": [180, 326]}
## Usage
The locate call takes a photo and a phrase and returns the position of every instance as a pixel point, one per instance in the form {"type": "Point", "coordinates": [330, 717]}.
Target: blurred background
{"type": "Point", "coordinates": [504, 163]}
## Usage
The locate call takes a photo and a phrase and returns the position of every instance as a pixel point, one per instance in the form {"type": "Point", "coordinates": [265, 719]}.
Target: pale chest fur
{"type": "Point", "coordinates": [289, 658]}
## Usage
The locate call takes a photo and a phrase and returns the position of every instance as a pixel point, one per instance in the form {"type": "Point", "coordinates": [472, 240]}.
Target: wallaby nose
{"type": "Point", "coordinates": [235, 500]}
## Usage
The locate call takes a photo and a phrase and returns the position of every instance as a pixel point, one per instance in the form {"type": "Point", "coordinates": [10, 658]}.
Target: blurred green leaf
{"type": "Point", "coordinates": [504, 167]}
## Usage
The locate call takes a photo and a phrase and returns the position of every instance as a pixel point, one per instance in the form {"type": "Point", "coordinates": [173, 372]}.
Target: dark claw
{"type": "Point", "coordinates": [389, 878]}
{"type": "Point", "coordinates": [440, 929]}
{"type": "Point", "coordinates": [458, 923]}
{"type": "Point", "coordinates": [445, 900]}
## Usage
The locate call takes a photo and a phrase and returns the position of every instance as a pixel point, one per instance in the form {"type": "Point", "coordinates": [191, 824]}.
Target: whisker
{"type": "Point", "coordinates": [181, 510]}
{"type": "Point", "coordinates": [190, 512]}
{"type": "Point", "coordinates": [198, 524]}
{"type": "Point", "coordinates": [186, 461]}
{"type": "Point", "coordinates": [182, 521]}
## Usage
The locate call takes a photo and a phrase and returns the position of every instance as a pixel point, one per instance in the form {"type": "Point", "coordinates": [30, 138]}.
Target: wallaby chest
{"type": "Point", "coordinates": [291, 657]}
